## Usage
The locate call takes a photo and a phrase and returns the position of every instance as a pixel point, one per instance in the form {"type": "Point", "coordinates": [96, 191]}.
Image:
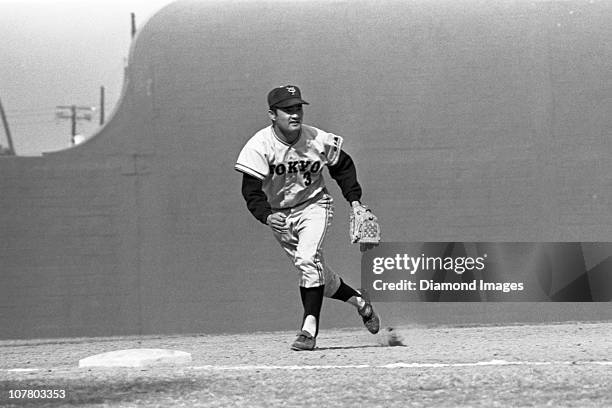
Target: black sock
{"type": "Point", "coordinates": [312, 300]}
{"type": "Point", "coordinates": [345, 292]}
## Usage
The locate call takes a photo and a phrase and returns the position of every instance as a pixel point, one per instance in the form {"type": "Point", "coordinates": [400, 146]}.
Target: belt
{"type": "Point", "coordinates": [312, 199]}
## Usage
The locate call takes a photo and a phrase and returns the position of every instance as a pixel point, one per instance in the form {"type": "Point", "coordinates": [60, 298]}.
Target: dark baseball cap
{"type": "Point", "coordinates": [284, 96]}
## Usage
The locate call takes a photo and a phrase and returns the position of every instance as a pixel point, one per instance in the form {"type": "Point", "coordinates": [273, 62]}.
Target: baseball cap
{"type": "Point", "coordinates": [284, 96]}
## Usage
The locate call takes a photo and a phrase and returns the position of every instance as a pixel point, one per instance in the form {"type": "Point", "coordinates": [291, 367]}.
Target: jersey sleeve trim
{"type": "Point", "coordinates": [336, 147]}
{"type": "Point", "coordinates": [247, 170]}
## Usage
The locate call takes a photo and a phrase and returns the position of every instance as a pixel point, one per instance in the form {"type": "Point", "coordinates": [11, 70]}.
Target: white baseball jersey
{"type": "Point", "coordinates": [291, 174]}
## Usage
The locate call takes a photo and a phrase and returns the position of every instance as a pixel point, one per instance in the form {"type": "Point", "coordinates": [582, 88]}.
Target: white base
{"type": "Point", "coordinates": [137, 358]}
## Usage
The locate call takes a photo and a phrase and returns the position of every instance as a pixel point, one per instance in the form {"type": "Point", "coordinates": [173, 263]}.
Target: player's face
{"type": "Point", "coordinates": [288, 120]}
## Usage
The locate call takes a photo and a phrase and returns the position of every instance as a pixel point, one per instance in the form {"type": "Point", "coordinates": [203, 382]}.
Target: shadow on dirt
{"type": "Point", "coordinates": [100, 391]}
{"type": "Point", "coordinates": [346, 347]}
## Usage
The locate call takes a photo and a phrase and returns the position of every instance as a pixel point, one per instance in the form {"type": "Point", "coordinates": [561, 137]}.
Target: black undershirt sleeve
{"type": "Point", "coordinates": [345, 174]}
{"type": "Point", "coordinates": [255, 198]}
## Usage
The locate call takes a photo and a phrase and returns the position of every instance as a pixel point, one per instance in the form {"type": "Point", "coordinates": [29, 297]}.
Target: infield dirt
{"type": "Point", "coordinates": [559, 365]}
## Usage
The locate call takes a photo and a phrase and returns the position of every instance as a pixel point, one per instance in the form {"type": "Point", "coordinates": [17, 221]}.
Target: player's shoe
{"type": "Point", "coordinates": [304, 342]}
{"type": "Point", "coordinates": [370, 319]}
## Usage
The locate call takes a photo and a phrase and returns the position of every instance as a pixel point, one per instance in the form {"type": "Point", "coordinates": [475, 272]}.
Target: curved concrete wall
{"type": "Point", "coordinates": [469, 121]}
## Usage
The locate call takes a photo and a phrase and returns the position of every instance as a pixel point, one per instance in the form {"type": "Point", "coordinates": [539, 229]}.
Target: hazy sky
{"type": "Point", "coordinates": [60, 53]}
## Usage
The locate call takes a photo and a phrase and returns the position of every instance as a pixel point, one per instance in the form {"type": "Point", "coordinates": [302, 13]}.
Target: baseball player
{"type": "Point", "coordinates": [284, 188]}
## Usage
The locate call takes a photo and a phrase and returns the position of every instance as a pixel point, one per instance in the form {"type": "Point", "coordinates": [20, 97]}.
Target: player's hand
{"type": "Point", "coordinates": [277, 221]}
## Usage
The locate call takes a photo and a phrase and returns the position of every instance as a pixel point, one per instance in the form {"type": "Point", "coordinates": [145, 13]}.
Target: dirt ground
{"type": "Point", "coordinates": [543, 365]}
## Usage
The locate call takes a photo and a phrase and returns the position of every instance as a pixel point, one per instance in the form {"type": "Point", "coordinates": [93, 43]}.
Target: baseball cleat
{"type": "Point", "coordinates": [370, 319]}
{"type": "Point", "coordinates": [304, 341]}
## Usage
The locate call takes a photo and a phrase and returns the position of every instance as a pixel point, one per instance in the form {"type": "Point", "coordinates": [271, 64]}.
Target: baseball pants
{"type": "Point", "coordinates": [307, 226]}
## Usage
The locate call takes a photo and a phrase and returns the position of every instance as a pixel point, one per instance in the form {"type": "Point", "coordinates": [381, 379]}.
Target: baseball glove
{"type": "Point", "coordinates": [363, 226]}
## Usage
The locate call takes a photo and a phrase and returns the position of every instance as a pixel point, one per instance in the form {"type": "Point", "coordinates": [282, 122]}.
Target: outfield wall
{"type": "Point", "coordinates": [468, 121]}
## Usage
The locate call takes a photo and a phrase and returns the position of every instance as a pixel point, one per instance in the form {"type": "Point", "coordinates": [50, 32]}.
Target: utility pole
{"type": "Point", "coordinates": [101, 105]}
{"type": "Point", "coordinates": [7, 131]}
{"type": "Point", "coordinates": [74, 116]}
{"type": "Point", "coordinates": [133, 18]}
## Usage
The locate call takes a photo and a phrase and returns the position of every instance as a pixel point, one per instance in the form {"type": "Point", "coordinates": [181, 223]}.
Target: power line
{"type": "Point", "coordinates": [51, 121]}
{"type": "Point", "coordinates": [27, 115]}
{"type": "Point", "coordinates": [27, 111]}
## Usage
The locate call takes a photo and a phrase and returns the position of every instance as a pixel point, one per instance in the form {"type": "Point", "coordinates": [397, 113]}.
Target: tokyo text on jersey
{"type": "Point", "coordinates": [291, 174]}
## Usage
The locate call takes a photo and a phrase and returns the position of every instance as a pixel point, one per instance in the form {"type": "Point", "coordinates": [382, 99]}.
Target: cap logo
{"type": "Point", "coordinates": [291, 90]}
